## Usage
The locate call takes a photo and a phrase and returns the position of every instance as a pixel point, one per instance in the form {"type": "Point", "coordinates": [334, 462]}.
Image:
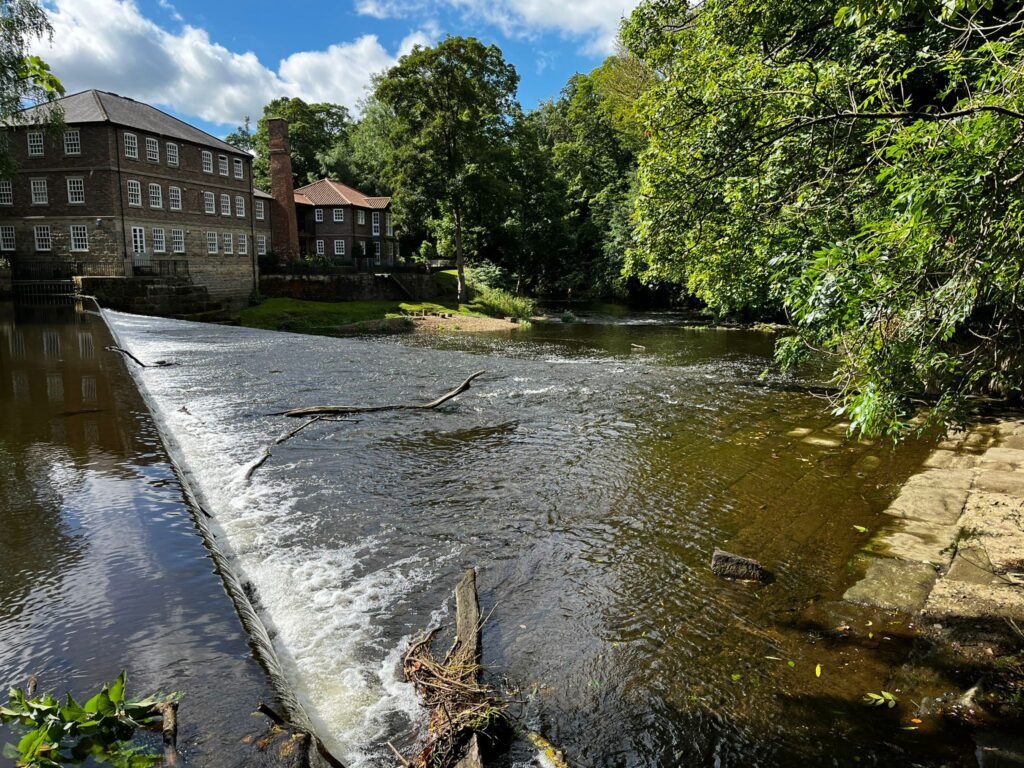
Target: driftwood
{"type": "Point", "coordinates": [325, 410]}
{"type": "Point", "coordinates": [257, 464]}
{"type": "Point", "coordinates": [294, 432]}
{"type": "Point", "coordinates": [126, 353]}
{"type": "Point", "coordinates": [169, 730]}
{"type": "Point", "coordinates": [462, 709]}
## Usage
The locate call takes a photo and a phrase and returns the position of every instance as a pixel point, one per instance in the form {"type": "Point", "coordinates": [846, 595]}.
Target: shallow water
{"type": "Point", "coordinates": [101, 568]}
{"type": "Point", "coordinates": [588, 481]}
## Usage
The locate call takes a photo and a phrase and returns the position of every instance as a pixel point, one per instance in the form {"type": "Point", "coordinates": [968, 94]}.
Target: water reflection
{"type": "Point", "coordinates": [100, 565]}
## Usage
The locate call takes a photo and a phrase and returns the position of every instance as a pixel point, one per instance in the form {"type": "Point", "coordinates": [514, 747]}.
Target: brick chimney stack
{"type": "Point", "coordinates": [285, 232]}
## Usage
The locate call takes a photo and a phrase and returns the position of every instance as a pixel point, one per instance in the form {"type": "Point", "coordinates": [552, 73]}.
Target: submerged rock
{"type": "Point", "coordinates": [730, 566]}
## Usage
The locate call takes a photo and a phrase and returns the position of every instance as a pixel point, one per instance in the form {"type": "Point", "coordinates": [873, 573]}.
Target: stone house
{"type": "Point", "coordinates": [126, 191]}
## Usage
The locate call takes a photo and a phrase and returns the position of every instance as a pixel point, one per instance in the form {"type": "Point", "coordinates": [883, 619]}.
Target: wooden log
{"type": "Point", "coordinates": [169, 731]}
{"type": "Point", "coordinates": [730, 566]}
{"type": "Point", "coordinates": [467, 619]}
{"type": "Point", "coordinates": [343, 409]}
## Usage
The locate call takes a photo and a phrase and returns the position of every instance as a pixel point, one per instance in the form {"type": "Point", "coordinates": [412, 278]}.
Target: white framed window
{"type": "Point", "coordinates": [243, 244]}
{"type": "Point", "coordinates": [156, 196]}
{"type": "Point", "coordinates": [339, 215]}
{"type": "Point", "coordinates": [76, 190]}
{"type": "Point", "coordinates": [361, 216]}
{"type": "Point", "coordinates": [339, 247]}
{"type": "Point", "coordinates": [239, 168]}
{"type": "Point", "coordinates": [79, 237]}
{"type": "Point", "coordinates": [222, 164]}
{"type": "Point", "coordinates": [229, 244]}
{"type": "Point", "coordinates": [134, 193]}
{"type": "Point", "coordinates": [42, 235]}
{"type": "Point", "coordinates": [319, 247]}
{"type": "Point", "coordinates": [261, 244]}
{"type": "Point", "coordinates": [173, 159]}
{"type": "Point", "coordinates": [257, 207]}
{"type": "Point", "coordinates": [391, 250]}
{"type": "Point", "coordinates": [152, 150]}
{"type": "Point", "coordinates": [40, 196]}
{"type": "Point", "coordinates": [211, 242]}
{"type": "Point", "coordinates": [318, 214]}
{"type": "Point", "coordinates": [174, 198]}
{"type": "Point", "coordinates": [35, 145]}
{"type": "Point", "coordinates": [159, 240]}
{"type": "Point", "coordinates": [225, 205]}
{"type": "Point", "coordinates": [376, 252]}
{"type": "Point", "coordinates": [131, 146]}
{"type": "Point", "coordinates": [6, 193]}
{"type": "Point", "coordinates": [362, 247]}
{"type": "Point", "coordinates": [207, 161]}
{"type": "Point", "coordinates": [239, 206]}
{"type": "Point", "coordinates": [388, 227]}
{"type": "Point", "coordinates": [210, 202]}
{"type": "Point", "coordinates": [138, 240]}
{"type": "Point", "coordinates": [376, 223]}
{"type": "Point", "coordinates": [6, 238]}
{"type": "Point", "coordinates": [72, 142]}
{"type": "Point", "coordinates": [178, 240]}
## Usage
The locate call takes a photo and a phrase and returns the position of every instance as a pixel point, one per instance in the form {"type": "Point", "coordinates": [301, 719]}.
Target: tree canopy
{"type": "Point", "coordinates": [453, 107]}
{"type": "Point", "coordinates": [24, 78]}
{"type": "Point", "coordinates": [855, 167]}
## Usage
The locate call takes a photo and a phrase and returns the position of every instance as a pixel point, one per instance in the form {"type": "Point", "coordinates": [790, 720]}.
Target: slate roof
{"type": "Point", "coordinates": [261, 193]}
{"type": "Point", "coordinates": [95, 106]}
{"type": "Point", "coordinates": [330, 192]}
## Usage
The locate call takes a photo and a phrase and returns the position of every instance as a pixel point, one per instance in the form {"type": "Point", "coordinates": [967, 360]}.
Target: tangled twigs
{"type": "Point", "coordinates": [461, 706]}
{"type": "Point", "coordinates": [279, 720]}
{"type": "Point", "coordinates": [343, 409]}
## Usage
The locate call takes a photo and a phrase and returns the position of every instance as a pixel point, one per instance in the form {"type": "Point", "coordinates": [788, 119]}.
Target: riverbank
{"type": "Point", "coordinates": [953, 556]}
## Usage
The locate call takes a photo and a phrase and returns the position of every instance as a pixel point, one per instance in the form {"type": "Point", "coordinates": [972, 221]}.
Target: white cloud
{"type": "Point", "coordinates": [596, 22]}
{"type": "Point", "coordinates": [109, 44]}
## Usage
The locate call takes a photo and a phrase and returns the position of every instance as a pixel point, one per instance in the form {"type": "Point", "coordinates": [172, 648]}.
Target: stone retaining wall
{"type": "Point", "coordinates": [407, 286]}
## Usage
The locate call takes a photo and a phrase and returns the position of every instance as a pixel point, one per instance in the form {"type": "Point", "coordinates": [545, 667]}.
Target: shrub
{"type": "Point", "coordinates": [499, 303]}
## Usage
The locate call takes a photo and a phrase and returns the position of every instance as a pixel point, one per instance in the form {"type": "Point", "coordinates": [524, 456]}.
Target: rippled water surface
{"type": "Point", "coordinates": [588, 479]}
{"type": "Point", "coordinates": [101, 568]}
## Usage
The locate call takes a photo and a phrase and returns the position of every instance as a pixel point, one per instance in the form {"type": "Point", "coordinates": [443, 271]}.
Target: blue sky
{"type": "Point", "coordinates": [213, 63]}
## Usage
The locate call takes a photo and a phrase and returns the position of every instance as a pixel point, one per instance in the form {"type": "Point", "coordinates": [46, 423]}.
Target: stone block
{"type": "Point", "coordinates": [893, 584]}
{"type": "Point", "coordinates": [942, 506]}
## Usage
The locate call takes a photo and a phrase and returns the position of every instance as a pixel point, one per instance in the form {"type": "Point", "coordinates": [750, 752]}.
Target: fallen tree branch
{"type": "Point", "coordinates": [126, 353]}
{"type": "Point", "coordinates": [257, 464]}
{"type": "Point", "coordinates": [294, 432]}
{"type": "Point", "coordinates": [342, 409]}
{"type": "Point", "coordinates": [169, 730]}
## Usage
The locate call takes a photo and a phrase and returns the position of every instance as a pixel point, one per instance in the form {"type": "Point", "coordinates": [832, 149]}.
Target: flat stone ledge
{"type": "Point", "coordinates": [893, 584]}
{"type": "Point", "coordinates": [952, 600]}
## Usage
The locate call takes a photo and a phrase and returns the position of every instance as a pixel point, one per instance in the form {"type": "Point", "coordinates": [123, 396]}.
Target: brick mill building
{"type": "Point", "coordinates": [124, 190]}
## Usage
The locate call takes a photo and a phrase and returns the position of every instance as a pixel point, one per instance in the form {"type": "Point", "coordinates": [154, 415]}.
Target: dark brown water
{"type": "Point", "coordinates": [101, 568]}
{"type": "Point", "coordinates": [589, 481]}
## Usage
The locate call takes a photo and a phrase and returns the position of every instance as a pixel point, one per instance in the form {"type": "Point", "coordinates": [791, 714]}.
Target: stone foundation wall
{"type": "Point", "coordinates": [355, 287]}
{"type": "Point", "coordinates": [228, 280]}
{"type": "Point", "coordinates": [168, 296]}
{"type": "Point", "coordinates": [6, 289]}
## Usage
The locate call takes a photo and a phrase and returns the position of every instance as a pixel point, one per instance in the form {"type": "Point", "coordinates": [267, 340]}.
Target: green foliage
{"type": "Point", "coordinates": [66, 732]}
{"type": "Point", "coordinates": [855, 167]}
{"type": "Point", "coordinates": [499, 303]}
{"type": "Point", "coordinates": [314, 130]}
{"type": "Point", "coordinates": [24, 78]}
{"type": "Point", "coordinates": [452, 108]}
{"type": "Point", "coordinates": [883, 699]}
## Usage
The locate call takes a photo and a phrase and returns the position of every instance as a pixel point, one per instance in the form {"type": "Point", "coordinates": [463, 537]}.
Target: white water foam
{"type": "Point", "coordinates": [317, 604]}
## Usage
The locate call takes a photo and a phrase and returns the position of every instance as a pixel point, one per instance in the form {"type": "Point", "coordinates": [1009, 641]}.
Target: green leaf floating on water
{"type": "Point", "coordinates": [860, 529]}
{"type": "Point", "coordinates": [817, 671]}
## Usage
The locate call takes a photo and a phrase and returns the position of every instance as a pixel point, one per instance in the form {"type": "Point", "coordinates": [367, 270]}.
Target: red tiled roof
{"type": "Point", "coordinates": [330, 192]}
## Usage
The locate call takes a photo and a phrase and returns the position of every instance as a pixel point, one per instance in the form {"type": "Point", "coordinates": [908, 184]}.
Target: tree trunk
{"type": "Point", "coordinates": [460, 263]}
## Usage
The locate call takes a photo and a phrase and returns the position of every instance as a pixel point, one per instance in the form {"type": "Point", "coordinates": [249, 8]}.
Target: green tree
{"type": "Point", "coordinates": [242, 137]}
{"type": "Point", "coordinates": [24, 78]}
{"type": "Point", "coordinates": [453, 108]}
{"type": "Point", "coordinates": [314, 130]}
{"type": "Point", "coordinates": [857, 167]}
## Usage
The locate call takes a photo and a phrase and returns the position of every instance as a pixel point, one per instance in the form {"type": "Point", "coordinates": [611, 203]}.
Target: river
{"type": "Point", "coordinates": [588, 480]}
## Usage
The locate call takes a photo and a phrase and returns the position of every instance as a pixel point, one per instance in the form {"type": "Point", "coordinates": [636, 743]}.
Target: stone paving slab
{"type": "Point", "coordinates": [955, 550]}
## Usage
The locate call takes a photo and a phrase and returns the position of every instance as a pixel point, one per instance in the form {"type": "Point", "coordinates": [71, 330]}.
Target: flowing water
{"type": "Point", "coordinates": [588, 480]}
